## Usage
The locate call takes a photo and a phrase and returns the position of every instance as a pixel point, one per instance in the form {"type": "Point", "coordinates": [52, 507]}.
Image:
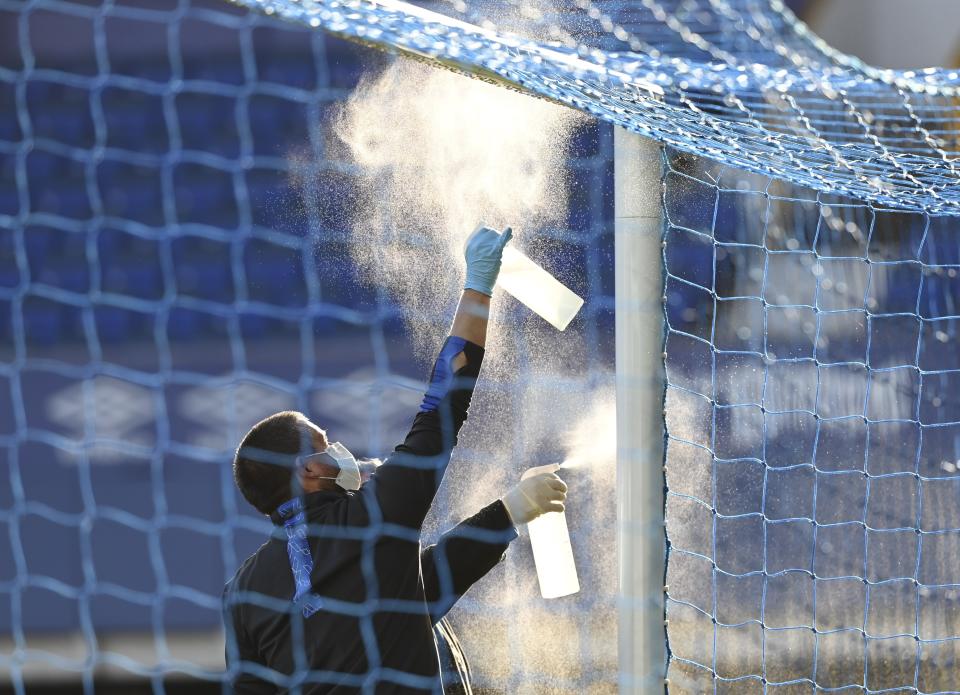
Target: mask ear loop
{"type": "Point", "coordinates": [302, 465]}
{"type": "Point", "coordinates": [349, 477]}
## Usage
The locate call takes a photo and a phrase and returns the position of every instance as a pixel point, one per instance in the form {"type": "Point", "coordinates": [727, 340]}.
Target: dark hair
{"type": "Point", "coordinates": [264, 462]}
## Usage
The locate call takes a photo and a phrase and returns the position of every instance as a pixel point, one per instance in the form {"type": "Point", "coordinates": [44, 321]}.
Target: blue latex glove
{"type": "Point", "coordinates": [483, 252]}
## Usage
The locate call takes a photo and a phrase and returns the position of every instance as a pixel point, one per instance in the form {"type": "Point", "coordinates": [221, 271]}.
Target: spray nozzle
{"type": "Point", "coordinates": [539, 470]}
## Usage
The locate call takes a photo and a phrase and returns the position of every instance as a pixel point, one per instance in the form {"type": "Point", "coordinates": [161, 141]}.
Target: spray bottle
{"type": "Point", "coordinates": [539, 290]}
{"type": "Point", "coordinates": [552, 552]}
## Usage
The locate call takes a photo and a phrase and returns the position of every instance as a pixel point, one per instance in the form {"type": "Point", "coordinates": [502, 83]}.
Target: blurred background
{"type": "Point", "coordinates": [164, 285]}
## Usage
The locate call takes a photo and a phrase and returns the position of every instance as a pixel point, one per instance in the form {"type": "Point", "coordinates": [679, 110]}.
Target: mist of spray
{"type": "Point", "coordinates": [593, 439]}
{"type": "Point", "coordinates": [437, 153]}
{"type": "Point", "coordinates": [561, 645]}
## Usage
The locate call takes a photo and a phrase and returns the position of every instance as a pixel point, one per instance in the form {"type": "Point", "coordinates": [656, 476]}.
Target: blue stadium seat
{"type": "Point", "coordinates": [40, 165]}
{"type": "Point", "coordinates": [113, 324]}
{"type": "Point", "coordinates": [6, 325]}
{"type": "Point", "coordinates": [9, 195]}
{"type": "Point", "coordinates": [74, 201]}
{"type": "Point", "coordinates": [185, 324]}
{"type": "Point", "coordinates": [38, 241]}
{"type": "Point", "coordinates": [144, 281]}
{"type": "Point", "coordinates": [276, 124]}
{"type": "Point", "coordinates": [131, 192]}
{"type": "Point", "coordinates": [73, 277]}
{"type": "Point", "coordinates": [43, 325]}
{"type": "Point", "coordinates": [276, 281]}
{"type": "Point", "coordinates": [205, 195]}
{"type": "Point", "coordinates": [121, 325]}
{"type": "Point", "coordinates": [202, 268]}
{"type": "Point", "coordinates": [9, 274]}
{"type": "Point", "coordinates": [59, 185]}
{"type": "Point", "coordinates": [254, 326]}
{"type": "Point", "coordinates": [41, 93]}
{"type": "Point", "coordinates": [135, 121]}
{"type": "Point", "coordinates": [144, 199]}
{"type": "Point", "coordinates": [9, 121]}
{"type": "Point", "coordinates": [110, 246]}
{"type": "Point", "coordinates": [212, 280]}
{"type": "Point", "coordinates": [61, 113]}
{"type": "Point", "coordinates": [58, 258]}
{"type": "Point", "coordinates": [197, 112]}
{"type": "Point", "coordinates": [72, 322]}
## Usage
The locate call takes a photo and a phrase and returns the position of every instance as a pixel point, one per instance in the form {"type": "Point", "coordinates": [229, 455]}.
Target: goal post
{"type": "Point", "coordinates": [640, 384]}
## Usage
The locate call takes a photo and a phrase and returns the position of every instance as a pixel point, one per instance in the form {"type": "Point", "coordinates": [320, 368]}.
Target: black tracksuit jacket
{"type": "Point", "coordinates": [383, 596]}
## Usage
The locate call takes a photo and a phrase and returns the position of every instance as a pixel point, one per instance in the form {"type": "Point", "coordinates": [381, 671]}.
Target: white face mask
{"type": "Point", "coordinates": [349, 476]}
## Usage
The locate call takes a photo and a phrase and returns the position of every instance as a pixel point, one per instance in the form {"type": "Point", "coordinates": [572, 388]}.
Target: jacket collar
{"type": "Point", "coordinates": [298, 509]}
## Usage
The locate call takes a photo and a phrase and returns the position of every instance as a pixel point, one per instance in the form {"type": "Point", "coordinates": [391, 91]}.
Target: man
{"type": "Point", "coordinates": [342, 598]}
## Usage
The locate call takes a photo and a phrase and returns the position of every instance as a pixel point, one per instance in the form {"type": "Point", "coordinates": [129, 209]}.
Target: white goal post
{"type": "Point", "coordinates": [640, 380]}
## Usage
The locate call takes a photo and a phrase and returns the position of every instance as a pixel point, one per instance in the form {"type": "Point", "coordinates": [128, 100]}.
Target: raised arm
{"type": "Point", "coordinates": [483, 252]}
{"type": "Point", "coordinates": [470, 321]}
{"type": "Point", "coordinates": [407, 482]}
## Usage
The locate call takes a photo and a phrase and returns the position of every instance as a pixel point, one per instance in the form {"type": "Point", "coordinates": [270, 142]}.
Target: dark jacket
{"type": "Point", "coordinates": [376, 593]}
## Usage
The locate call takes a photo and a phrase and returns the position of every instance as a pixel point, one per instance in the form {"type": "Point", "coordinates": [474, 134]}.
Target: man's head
{"type": "Point", "coordinates": [267, 466]}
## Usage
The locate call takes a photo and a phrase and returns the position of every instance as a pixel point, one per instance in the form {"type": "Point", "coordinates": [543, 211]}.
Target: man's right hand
{"type": "Point", "coordinates": [483, 252]}
{"type": "Point", "coordinates": [535, 496]}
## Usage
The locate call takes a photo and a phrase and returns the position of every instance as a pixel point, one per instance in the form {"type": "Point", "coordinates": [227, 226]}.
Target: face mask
{"type": "Point", "coordinates": [349, 477]}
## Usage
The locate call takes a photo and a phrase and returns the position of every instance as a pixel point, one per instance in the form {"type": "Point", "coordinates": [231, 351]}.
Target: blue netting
{"type": "Point", "coordinates": [163, 286]}
{"type": "Point", "coordinates": [785, 108]}
{"type": "Point", "coordinates": [811, 413]}
{"type": "Point", "coordinates": [812, 458]}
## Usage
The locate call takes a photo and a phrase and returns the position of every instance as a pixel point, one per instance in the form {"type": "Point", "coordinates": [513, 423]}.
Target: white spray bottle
{"type": "Point", "coordinates": [539, 290]}
{"type": "Point", "coordinates": [552, 552]}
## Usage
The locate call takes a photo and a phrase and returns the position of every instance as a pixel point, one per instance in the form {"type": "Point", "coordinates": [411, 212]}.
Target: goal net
{"type": "Point", "coordinates": [165, 282]}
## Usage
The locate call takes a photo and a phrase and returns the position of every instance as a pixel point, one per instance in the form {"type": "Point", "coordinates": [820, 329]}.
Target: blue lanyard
{"type": "Point", "coordinates": [298, 550]}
